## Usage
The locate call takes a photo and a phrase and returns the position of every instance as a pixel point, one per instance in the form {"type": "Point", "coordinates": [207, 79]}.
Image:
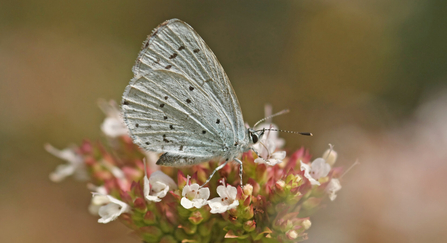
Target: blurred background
{"type": "Point", "coordinates": [370, 77]}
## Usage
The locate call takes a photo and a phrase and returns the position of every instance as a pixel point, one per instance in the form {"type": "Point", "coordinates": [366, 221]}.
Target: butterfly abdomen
{"type": "Point", "coordinates": [168, 159]}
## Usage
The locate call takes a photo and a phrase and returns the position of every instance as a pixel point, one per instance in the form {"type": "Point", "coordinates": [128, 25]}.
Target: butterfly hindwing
{"type": "Point", "coordinates": [164, 119]}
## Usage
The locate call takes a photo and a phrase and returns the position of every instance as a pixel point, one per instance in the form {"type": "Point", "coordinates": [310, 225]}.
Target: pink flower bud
{"type": "Point", "coordinates": [195, 218]}
{"type": "Point", "coordinates": [149, 218]}
{"type": "Point", "coordinates": [140, 204]}
{"type": "Point", "coordinates": [249, 226]}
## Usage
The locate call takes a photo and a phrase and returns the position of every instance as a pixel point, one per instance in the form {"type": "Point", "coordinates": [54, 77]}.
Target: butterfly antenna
{"type": "Point", "coordinates": [279, 130]}
{"type": "Point", "coordinates": [276, 114]}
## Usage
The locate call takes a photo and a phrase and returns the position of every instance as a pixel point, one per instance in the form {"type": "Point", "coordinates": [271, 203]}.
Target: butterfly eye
{"type": "Point", "coordinates": [254, 138]}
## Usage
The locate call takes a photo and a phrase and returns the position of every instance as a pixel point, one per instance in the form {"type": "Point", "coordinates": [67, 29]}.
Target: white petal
{"type": "Point", "coordinates": [161, 193]}
{"type": "Point", "coordinates": [232, 191]}
{"type": "Point", "coordinates": [67, 154]}
{"type": "Point", "coordinates": [333, 187]}
{"type": "Point", "coordinates": [99, 199]}
{"type": "Point", "coordinates": [198, 203]}
{"type": "Point", "coordinates": [319, 168]}
{"type": "Point", "coordinates": [306, 168]}
{"type": "Point", "coordinates": [221, 191]}
{"type": "Point", "coordinates": [162, 177]}
{"type": "Point", "coordinates": [280, 155]}
{"type": "Point", "coordinates": [113, 127]}
{"type": "Point", "coordinates": [204, 193]}
{"type": "Point", "coordinates": [146, 187]}
{"type": "Point", "coordinates": [62, 171]}
{"type": "Point", "coordinates": [195, 187]}
{"type": "Point", "coordinates": [186, 203]}
{"type": "Point", "coordinates": [112, 210]}
{"type": "Point", "coordinates": [185, 190]}
{"type": "Point", "coordinates": [153, 198]}
{"type": "Point", "coordinates": [216, 205]}
{"type": "Point", "coordinates": [233, 205]}
{"type": "Point", "coordinates": [260, 160]}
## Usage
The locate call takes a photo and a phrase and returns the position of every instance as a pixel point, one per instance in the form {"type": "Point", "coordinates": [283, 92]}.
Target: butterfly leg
{"type": "Point", "coordinates": [256, 152]}
{"type": "Point", "coordinates": [240, 169]}
{"type": "Point", "coordinates": [215, 170]}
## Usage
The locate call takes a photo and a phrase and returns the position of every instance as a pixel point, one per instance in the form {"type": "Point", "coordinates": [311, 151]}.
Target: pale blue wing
{"type": "Point", "coordinates": [176, 47]}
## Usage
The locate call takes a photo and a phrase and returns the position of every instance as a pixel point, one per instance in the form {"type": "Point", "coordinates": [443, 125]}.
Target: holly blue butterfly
{"type": "Point", "coordinates": [181, 102]}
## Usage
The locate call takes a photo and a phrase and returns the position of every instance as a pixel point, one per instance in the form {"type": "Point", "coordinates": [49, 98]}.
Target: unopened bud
{"type": "Point", "coordinates": [291, 234]}
{"type": "Point", "coordinates": [306, 224]}
{"type": "Point", "coordinates": [195, 218]}
{"type": "Point", "coordinates": [248, 189]}
{"type": "Point", "coordinates": [330, 156]}
{"type": "Point", "coordinates": [249, 226]}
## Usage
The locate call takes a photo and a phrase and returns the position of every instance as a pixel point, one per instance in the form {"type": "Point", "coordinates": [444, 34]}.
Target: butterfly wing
{"type": "Point", "coordinates": [180, 100]}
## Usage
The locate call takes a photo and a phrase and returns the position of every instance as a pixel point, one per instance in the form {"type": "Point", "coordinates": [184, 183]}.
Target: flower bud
{"type": "Point", "coordinates": [151, 233]}
{"type": "Point", "coordinates": [255, 186]}
{"type": "Point", "coordinates": [291, 234]}
{"type": "Point", "coordinates": [248, 212]}
{"type": "Point", "coordinates": [249, 226]}
{"type": "Point", "coordinates": [181, 180]}
{"type": "Point", "coordinates": [306, 224]}
{"type": "Point", "coordinates": [248, 189]}
{"type": "Point", "coordinates": [330, 156]}
{"type": "Point", "coordinates": [165, 226]}
{"type": "Point", "coordinates": [195, 217]}
{"type": "Point", "coordinates": [140, 204]}
{"type": "Point", "coordinates": [189, 228]}
{"type": "Point", "coordinates": [149, 218]}
{"type": "Point", "coordinates": [168, 239]}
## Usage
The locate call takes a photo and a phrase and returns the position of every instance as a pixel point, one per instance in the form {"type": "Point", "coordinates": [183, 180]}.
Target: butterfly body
{"type": "Point", "coordinates": [181, 102]}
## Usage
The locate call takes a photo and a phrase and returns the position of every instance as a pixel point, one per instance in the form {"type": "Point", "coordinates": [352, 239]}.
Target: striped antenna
{"type": "Point", "coordinates": [278, 130]}
{"type": "Point", "coordinates": [276, 114]}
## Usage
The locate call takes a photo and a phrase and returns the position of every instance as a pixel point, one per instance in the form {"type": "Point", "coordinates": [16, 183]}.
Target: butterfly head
{"type": "Point", "coordinates": [255, 135]}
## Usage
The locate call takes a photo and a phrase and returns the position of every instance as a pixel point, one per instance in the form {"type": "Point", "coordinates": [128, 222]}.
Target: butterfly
{"type": "Point", "coordinates": [180, 101]}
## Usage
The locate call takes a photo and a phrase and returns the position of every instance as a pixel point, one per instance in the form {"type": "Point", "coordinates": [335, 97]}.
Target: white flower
{"type": "Point", "coordinates": [226, 201]}
{"type": "Point", "coordinates": [75, 165]}
{"type": "Point", "coordinates": [157, 186]}
{"type": "Point", "coordinates": [194, 196]}
{"type": "Point", "coordinates": [113, 125]}
{"type": "Point", "coordinates": [319, 168]}
{"type": "Point", "coordinates": [99, 200]}
{"type": "Point", "coordinates": [111, 207]}
{"type": "Point", "coordinates": [333, 187]}
{"type": "Point", "coordinates": [306, 168]}
{"type": "Point", "coordinates": [267, 153]}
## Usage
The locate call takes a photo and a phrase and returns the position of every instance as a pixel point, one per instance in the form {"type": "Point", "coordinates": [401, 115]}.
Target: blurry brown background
{"type": "Point", "coordinates": [366, 76]}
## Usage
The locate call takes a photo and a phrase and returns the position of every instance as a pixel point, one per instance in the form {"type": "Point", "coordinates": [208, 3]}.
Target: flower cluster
{"type": "Point", "coordinates": [166, 204]}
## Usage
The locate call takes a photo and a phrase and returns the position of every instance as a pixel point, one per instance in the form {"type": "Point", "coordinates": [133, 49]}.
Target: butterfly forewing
{"type": "Point", "coordinates": [180, 100]}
